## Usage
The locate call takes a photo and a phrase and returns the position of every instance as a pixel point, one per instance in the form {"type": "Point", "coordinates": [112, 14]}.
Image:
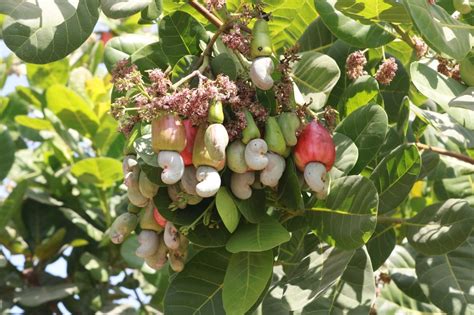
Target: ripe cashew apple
{"type": "Point", "coordinates": [256, 154]}
{"type": "Point", "coordinates": [187, 153]}
{"type": "Point", "coordinates": [274, 136]}
{"type": "Point", "coordinates": [159, 218]}
{"type": "Point", "coordinates": [251, 130]}
{"type": "Point", "coordinates": [168, 133]}
{"type": "Point", "coordinates": [148, 243]}
{"type": "Point", "coordinates": [122, 227]}
{"type": "Point", "coordinates": [261, 73]}
{"type": "Point", "coordinates": [272, 173]}
{"type": "Point", "coordinates": [236, 157]}
{"type": "Point", "coordinates": [240, 184]}
{"type": "Point", "coordinates": [147, 220]}
{"type": "Point", "coordinates": [216, 140]}
{"type": "Point", "coordinates": [171, 236]}
{"type": "Point", "coordinates": [147, 188]}
{"type": "Point", "coordinates": [159, 258]}
{"type": "Point", "coordinates": [173, 166]}
{"type": "Point", "coordinates": [315, 154]}
{"type": "Point", "coordinates": [209, 181]}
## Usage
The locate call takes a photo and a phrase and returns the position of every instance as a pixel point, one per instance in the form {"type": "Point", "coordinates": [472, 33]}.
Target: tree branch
{"type": "Point", "coordinates": [404, 35]}
{"type": "Point", "coordinates": [206, 13]}
{"type": "Point", "coordinates": [441, 151]}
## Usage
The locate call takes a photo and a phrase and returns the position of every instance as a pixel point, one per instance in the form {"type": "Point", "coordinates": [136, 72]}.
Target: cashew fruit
{"type": "Point", "coordinates": [216, 140]}
{"type": "Point", "coordinates": [274, 137]}
{"type": "Point", "coordinates": [148, 243]}
{"type": "Point", "coordinates": [289, 124]}
{"type": "Point", "coordinates": [133, 209]}
{"type": "Point", "coordinates": [129, 162]}
{"type": "Point", "coordinates": [236, 157]}
{"type": "Point", "coordinates": [315, 175]}
{"type": "Point", "coordinates": [159, 258]}
{"type": "Point", "coordinates": [261, 44]}
{"type": "Point", "coordinates": [201, 155]}
{"type": "Point", "coordinates": [123, 225]}
{"type": "Point", "coordinates": [133, 191]}
{"type": "Point", "coordinates": [261, 71]}
{"type": "Point", "coordinates": [209, 181]}
{"type": "Point", "coordinates": [272, 173]}
{"type": "Point", "coordinates": [240, 184]}
{"type": "Point", "coordinates": [189, 181]}
{"type": "Point", "coordinates": [173, 166]}
{"type": "Point", "coordinates": [251, 131]}
{"type": "Point", "coordinates": [256, 154]}
{"type": "Point", "coordinates": [147, 220]}
{"type": "Point", "coordinates": [178, 256]}
{"type": "Point", "coordinates": [147, 188]}
{"type": "Point", "coordinates": [168, 133]}
{"type": "Point", "coordinates": [466, 69]}
{"type": "Point", "coordinates": [216, 113]}
{"type": "Point", "coordinates": [158, 218]}
{"type": "Point", "coordinates": [171, 236]}
{"type": "Point", "coordinates": [315, 144]}
{"type": "Point", "coordinates": [173, 193]}
{"type": "Point", "coordinates": [187, 153]}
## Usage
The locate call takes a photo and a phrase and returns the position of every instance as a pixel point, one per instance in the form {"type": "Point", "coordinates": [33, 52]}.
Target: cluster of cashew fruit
{"type": "Point", "coordinates": [261, 50]}
{"type": "Point", "coordinates": [159, 240]}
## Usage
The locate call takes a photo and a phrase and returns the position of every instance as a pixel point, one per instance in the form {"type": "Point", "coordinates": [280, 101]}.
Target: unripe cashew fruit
{"type": "Point", "coordinates": [159, 218]}
{"type": "Point", "coordinates": [158, 259]}
{"type": "Point", "coordinates": [261, 73]}
{"type": "Point", "coordinates": [129, 162]}
{"type": "Point", "coordinates": [240, 184]}
{"type": "Point", "coordinates": [173, 193]}
{"type": "Point", "coordinates": [274, 170]}
{"type": "Point", "coordinates": [315, 176]}
{"type": "Point", "coordinates": [147, 188]}
{"type": "Point", "coordinates": [189, 180]}
{"type": "Point", "coordinates": [289, 124]}
{"type": "Point", "coordinates": [147, 220]}
{"type": "Point", "coordinates": [193, 199]}
{"type": "Point", "coordinates": [187, 153]}
{"type": "Point", "coordinates": [133, 191]}
{"type": "Point", "coordinates": [236, 157]}
{"type": "Point", "coordinates": [133, 209]}
{"type": "Point", "coordinates": [122, 227]}
{"type": "Point", "coordinates": [466, 69]}
{"type": "Point", "coordinates": [315, 144]}
{"type": "Point", "coordinates": [209, 181]}
{"type": "Point", "coordinates": [216, 113]}
{"type": "Point", "coordinates": [251, 130]}
{"type": "Point", "coordinates": [173, 166]}
{"type": "Point", "coordinates": [261, 44]}
{"type": "Point", "coordinates": [148, 241]}
{"type": "Point", "coordinates": [201, 155]}
{"type": "Point", "coordinates": [171, 236]}
{"type": "Point", "coordinates": [168, 134]}
{"type": "Point", "coordinates": [179, 255]}
{"type": "Point", "coordinates": [274, 137]}
{"type": "Point", "coordinates": [463, 6]}
{"type": "Point", "coordinates": [216, 140]}
{"type": "Point", "coordinates": [256, 154]}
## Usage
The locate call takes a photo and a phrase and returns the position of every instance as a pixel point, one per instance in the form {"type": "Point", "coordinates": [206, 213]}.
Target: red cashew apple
{"type": "Point", "coordinates": [187, 153]}
{"type": "Point", "coordinates": [315, 154]}
{"type": "Point", "coordinates": [158, 218]}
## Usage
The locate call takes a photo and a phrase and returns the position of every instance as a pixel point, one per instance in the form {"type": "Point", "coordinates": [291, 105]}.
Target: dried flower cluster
{"type": "Point", "coordinates": [284, 88]}
{"type": "Point", "coordinates": [355, 64]}
{"type": "Point", "coordinates": [216, 4]}
{"type": "Point", "coordinates": [420, 46]}
{"type": "Point", "coordinates": [386, 71]}
{"type": "Point", "coordinates": [236, 40]}
{"type": "Point", "coordinates": [448, 68]}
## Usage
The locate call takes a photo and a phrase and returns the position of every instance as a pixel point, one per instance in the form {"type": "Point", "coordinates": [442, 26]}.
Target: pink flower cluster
{"type": "Point", "coordinates": [386, 71]}
{"type": "Point", "coordinates": [216, 4]}
{"type": "Point", "coordinates": [420, 46]}
{"type": "Point", "coordinates": [126, 76]}
{"type": "Point", "coordinates": [235, 40]}
{"type": "Point", "coordinates": [355, 63]}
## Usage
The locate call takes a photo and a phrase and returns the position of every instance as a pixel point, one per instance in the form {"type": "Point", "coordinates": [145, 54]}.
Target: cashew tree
{"type": "Point", "coordinates": [237, 157]}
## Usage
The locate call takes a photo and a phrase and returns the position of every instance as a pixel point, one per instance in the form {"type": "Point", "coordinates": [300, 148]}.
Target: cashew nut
{"type": "Point", "coordinates": [173, 166]}
{"type": "Point", "coordinates": [178, 256]}
{"type": "Point", "coordinates": [327, 183]}
{"type": "Point", "coordinates": [315, 176]}
{"type": "Point", "coordinates": [189, 181]}
{"type": "Point", "coordinates": [216, 140]}
{"type": "Point", "coordinates": [261, 73]}
{"type": "Point", "coordinates": [122, 227]}
{"type": "Point", "coordinates": [133, 191]}
{"type": "Point", "coordinates": [171, 236]}
{"type": "Point", "coordinates": [158, 259]}
{"type": "Point", "coordinates": [147, 187]}
{"type": "Point", "coordinates": [148, 241]}
{"type": "Point", "coordinates": [173, 193]}
{"type": "Point", "coordinates": [274, 170]}
{"type": "Point", "coordinates": [240, 184]}
{"type": "Point", "coordinates": [255, 154]}
{"type": "Point", "coordinates": [209, 181]}
{"type": "Point", "coordinates": [236, 157]}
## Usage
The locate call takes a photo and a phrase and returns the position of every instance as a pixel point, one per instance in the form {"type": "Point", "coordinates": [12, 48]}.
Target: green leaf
{"type": "Point", "coordinates": [251, 208]}
{"type": "Point", "coordinates": [185, 66]}
{"type": "Point", "coordinates": [293, 251]}
{"type": "Point", "coordinates": [349, 30]}
{"type": "Point", "coordinates": [258, 237]}
{"type": "Point", "coordinates": [367, 127]}
{"type": "Point", "coordinates": [459, 187]}
{"type": "Point", "coordinates": [348, 217]}
{"type": "Point", "coordinates": [33, 123]}
{"type": "Point", "coordinates": [180, 35]}
{"type": "Point", "coordinates": [441, 227]}
{"type": "Point", "coordinates": [289, 191]}
{"type": "Point", "coordinates": [72, 110]}
{"type": "Point", "coordinates": [227, 209]}
{"type": "Point", "coordinates": [316, 37]}
{"type": "Point", "coordinates": [394, 93]}
{"type": "Point", "coordinates": [314, 274]}
{"type": "Point", "coordinates": [19, 10]}
{"type": "Point", "coordinates": [59, 30]}
{"type": "Point", "coordinates": [35, 296]}
{"type": "Point", "coordinates": [374, 11]}
{"type": "Point", "coordinates": [245, 279]}
{"type": "Point", "coordinates": [7, 154]}
{"type": "Point", "coordinates": [395, 175]}
{"type": "Point", "coordinates": [117, 9]}
{"type": "Point", "coordinates": [149, 57]}
{"type": "Point", "coordinates": [122, 47]}
{"type": "Point", "coordinates": [381, 244]}
{"type": "Point", "coordinates": [315, 75]}
{"type": "Point", "coordinates": [12, 205]}
{"type": "Point", "coordinates": [357, 94]}
{"type": "Point", "coordinates": [162, 202]}
{"type": "Point", "coordinates": [225, 64]}
{"type": "Point", "coordinates": [353, 293]}
{"type": "Point", "coordinates": [346, 155]}
{"type": "Point", "coordinates": [464, 100]}
{"type": "Point", "coordinates": [83, 224]}
{"type": "Point", "coordinates": [198, 288]}
{"type": "Point", "coordinates": [447, 280]}
{"type": "Point", "coordinates": [102, 172]}
{"type": "Point", "coordinates": [127, 251]}
{"type": "Point", "coordinates": [96, 267]}
{"type": "Point", "coordinates": [145, 151]}
{"type": "Point", "coordinates": [44, 76]}
{"type": "Point", "coordinates": [440, 31]}
{"type": "Point", "coordinates": [207, 237]}
{"type": "Point", "coordinates": [435, 85]}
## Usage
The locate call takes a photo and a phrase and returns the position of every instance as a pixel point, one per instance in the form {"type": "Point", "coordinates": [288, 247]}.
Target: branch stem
{"type": "Point", "coordinates": [404, 35]}
{"type": "Point", "coordinates": [206, 13]}
{"type": "Point", "coordinates": [441, 151]}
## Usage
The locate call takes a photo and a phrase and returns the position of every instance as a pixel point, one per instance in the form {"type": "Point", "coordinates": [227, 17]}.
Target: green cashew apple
{"type": "Point", "coordinates": [251, 130]}
{"type": "Point", "coordinates": [289, 124]}
{"type": "Point", "coordinates": [274, 136]}
{"type": "Point", "coordinates": [216, 113]}
{"type": "Point", "coordinates": [261, 44]}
